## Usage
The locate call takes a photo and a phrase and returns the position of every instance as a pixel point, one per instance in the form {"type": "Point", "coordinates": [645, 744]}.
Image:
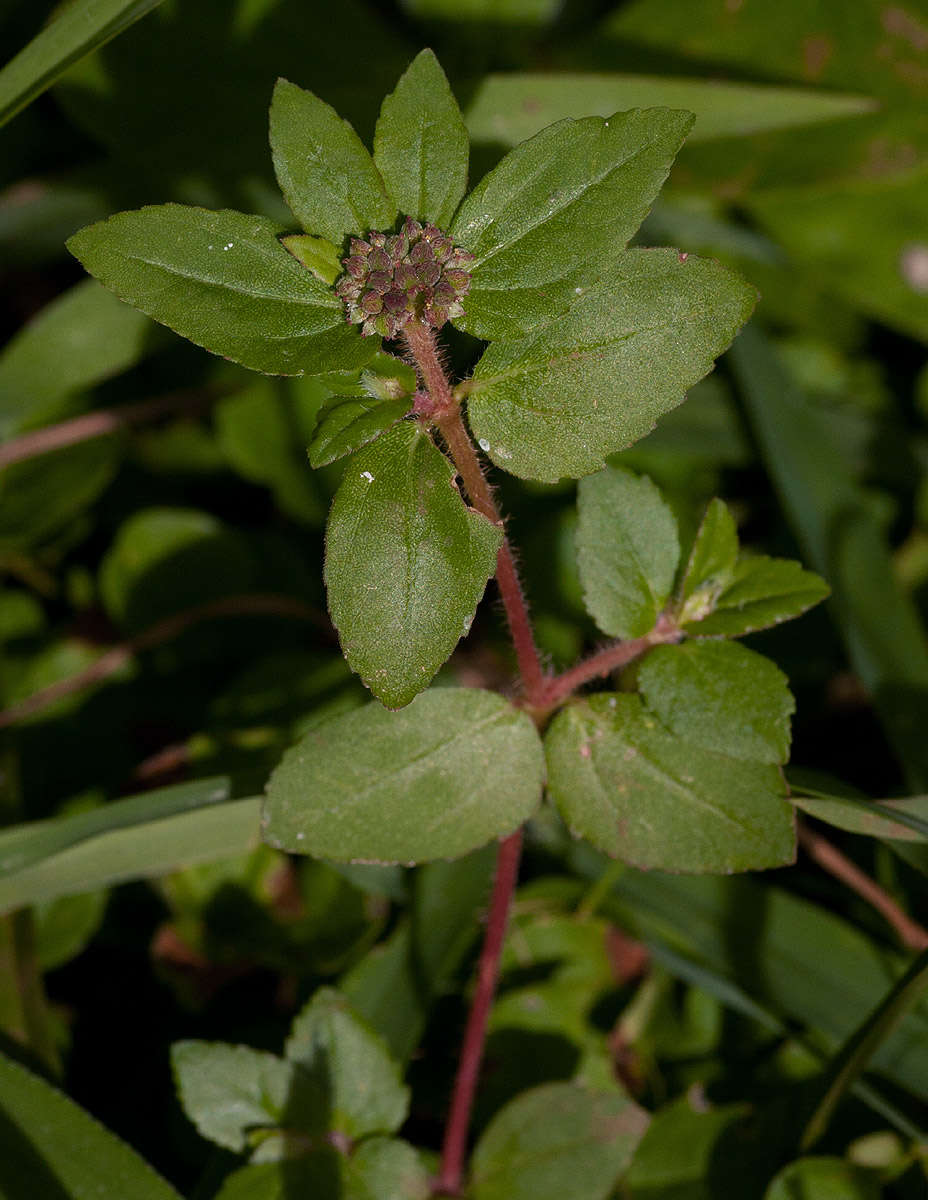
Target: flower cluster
{"type": "Point", "coordinates": [390, 279]}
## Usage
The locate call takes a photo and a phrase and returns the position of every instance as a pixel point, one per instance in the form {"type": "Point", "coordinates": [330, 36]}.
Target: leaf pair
{"type": "Point", "coordinates": [628, 554]}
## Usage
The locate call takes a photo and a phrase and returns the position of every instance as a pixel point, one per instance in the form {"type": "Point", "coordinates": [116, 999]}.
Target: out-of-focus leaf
{"type": "Point", "coordinates": [861, 1046]}
{"type": "Point", "coordinates": [164, 560]}
{"type": "Point", "coordinates": [518, 13]}
{"type": "Point", "coordinates": [510, 108]}
{"type": "Point", "coordinates": [446, 774]}
{"type": "Point", "coordinates": [52, 1148]}
{"type": "Point", "coordinates": [73, 32]}
{"type": "Point", "coordinates": [627, 551]}
{"type": "Point", "coordinates": [904, 819]}
{"type": "Point", "coordinates": [845, 542]}
{"type": "Point", "coordinates": [675, 1155]}
{"type": "Point", "coordinates": [823, 1179]}
{"type": "Point", "coordinates": [554, 1141]}
{"type": "Point", "coordinates": [64, 926]}
{"type": "Point", "coordinates": [364, 1091]}
{"type": "Point", "coordinates": [143, 849]}
{"type": "Point", "coordinates": [78, 340]}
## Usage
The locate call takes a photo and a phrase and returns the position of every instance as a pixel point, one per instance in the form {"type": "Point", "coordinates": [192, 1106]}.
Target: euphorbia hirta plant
{"type": "Point", "coordinates": [589, 343]}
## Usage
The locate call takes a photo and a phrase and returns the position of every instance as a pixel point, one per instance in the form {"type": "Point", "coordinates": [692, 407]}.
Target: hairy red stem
{"type": "Point", "coordinates": [465, 1084]}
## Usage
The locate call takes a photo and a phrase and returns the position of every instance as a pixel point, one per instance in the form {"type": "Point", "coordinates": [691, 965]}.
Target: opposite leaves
{"type": "Point", "coordinates": [455, 769]}
{"type": "Point", "coordinates": [406, 563]}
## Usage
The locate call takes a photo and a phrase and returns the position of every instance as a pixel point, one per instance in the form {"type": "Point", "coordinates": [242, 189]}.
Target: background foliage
{"type": "Point", "coordinates": [172, 567]}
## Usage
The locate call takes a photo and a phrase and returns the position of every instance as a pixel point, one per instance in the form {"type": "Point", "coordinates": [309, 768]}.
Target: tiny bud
{"type": "Point", "coordinates": [380, 281]}
{"type": "Point", "coordinates": [379, 240]}
{"type": "Point", "coordinates": [371, 303]}
{"type": "Point", "coordinates": [428, 272]}
{"type": "Point", "coordinates": [379, 260]}
{"type": "Point", "coordinates": [356, 265]}
{"type": "Point", "coordinates": [405, 276]}
{"type": "Point", "coordinates": [395, 302]}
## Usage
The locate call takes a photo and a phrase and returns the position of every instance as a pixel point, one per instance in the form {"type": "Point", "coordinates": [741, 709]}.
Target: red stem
{"type": "Point", "coordinates": [618, 655]}
{"type": "Point", "coordinates": [465, 1083]}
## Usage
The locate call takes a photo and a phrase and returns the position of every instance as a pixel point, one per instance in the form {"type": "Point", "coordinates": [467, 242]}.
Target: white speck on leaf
{"type": "Point", "coordinates": [228, 245]}
{"type": "Point", "coordinates": [484, 445]}
{"type": "Point", "coordinates": [368, 476]}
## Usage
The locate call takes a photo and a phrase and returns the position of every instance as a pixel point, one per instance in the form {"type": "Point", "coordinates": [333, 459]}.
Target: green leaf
{"type": "Point", "coordinates": [164, 560]}
{"type": "Point", "coordinates": [75, 31]}
{"type": "Point", "coordinates": [711, 563]}
{"type": "Point", "coordinates": [720, 696]}
{"type": "Point", "coordinates": [143, 847]}
{"type": "Point", "coordinates": [507, 109]}
{"type": "Point", "coordinates": [824, 1179]}
{"type": "Point", "coordinates": [455, 769]}
{"type": "Point", "coordinates": [420, 145]}
{"type": "Point", "coordinates": [63, 927]}
{"type": "Point", "coordinates": [647, 796]}
{"type": "Point", "coordinates": [517, 13]}
{"type": "Point", "coordinates": [844, 539]}
{"type": "Point", "coordinates": [762, 592]}
{"type": "Point", "coordinates": [406, 563]}
{"type": "Point", "coordinates": [861, 1046]}
{"type": "Point", "coordinates": [627, 551]}
{"type": "Point", "coordinates": [53, 1149]}
{"type": "Point", "coordinates": [676, 1154]}
{"type": "Point", "coordinates": [902, 819]}
{"type": "Point", "coordinates": [554, 1141]}
{"type": "Point", "coordinates": [326, 174]}
{"type": "Point", "coordinates": [315, 253]}
{"type": "Point", "coordinates": [560, 400]}
{"type": "Point", "coordinates": [81, 338]}
{"type": "Point", "coordinates": [365, 1091]}
{"type": "Point", "coordinates": [348, 426]}
{"type": "Point", "coordinates": [554, 214]}
{"type": "Point", "coordinates": [385, 1169]}
{"type": "Point", "coordinates": [223, 280]}
{"type": "Point", "coordinates": [228, 1092]}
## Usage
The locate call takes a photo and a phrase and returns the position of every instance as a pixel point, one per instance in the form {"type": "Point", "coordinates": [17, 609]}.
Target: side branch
{"type": "Point", "coordinates": [830, 859]}
{"type": "Point", "coordinates": [613, 658]}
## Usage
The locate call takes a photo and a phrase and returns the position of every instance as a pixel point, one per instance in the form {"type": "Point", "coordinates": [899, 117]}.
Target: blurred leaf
{"type": "Point", "coordinates": [63, 927]}
{"type": "Point", "coordinates": [644, 794]}
{"type": "Point", "coordinates": [348, 426]}
{"type": "Point", "coordinates": [554, 1141]}
{"type": "Point", "coordinates": [720, 696]}
{"type": "Point", "coordinates": [448, 900]}
{"type": "Point", "coordinates": [233, 1092]}
{"type": "Point", "coordinates": [52, 1148]}
{"type": "Point", "coordinates": [823, 229]}
{"type": "Point", "coordinates": [164, 560]}
{"type": "Point", "coordinates": [383, 988]}
{"type": "Point", "coordinates": [406, 563]}
{"type": "Point", "coordinates": [627, 551]}
{"type": "Point", "coordinates": [74, 31]}
{"type": "Point", "coordinates": [882, 51]}
{"type": "Point", "coordinates": [510, 108]}
{"type": "Point", "coordinates": [860, 1048]}
{"type": "Point", "coordinates": [421, 146]}
{"type": "Point", "coordinates": [42, 497]}
{"type": "Point", "coordinates": [84, 336]}
{"type": "Point", "coordinates": [144, 849]}
{"type": "Point", "coordinates": [448, 773]}
{"type": "Point", "coordinates": [365, 1092]}
{"type": "Point", "coordinates": [904, 819]}
{"type": "Point", "coordinates": [324, 170]}
{"type": "Point", "coordinates": [823, 1179]}
{"type": "Point", "coordinates": [553, 215]}
{"type": "Point", "coordinates": [636, 340]}
{"type": "Point", "coordinates": [223, 280]}
{"type": "Point", "coordinates": [675, 1157]}
{"type": "Point", "coordinates": [263, 430]}
{"type": "Point", "coordinates": [385, 1169]}
{"type": "Point", "coordinates": [492, 12]}
{"type": "Point", "coordinates": [845, 542]}
{"type": "Point", "coordinates": [761, 592]}
{"type": "Point", "coordinates": [21, 615]}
